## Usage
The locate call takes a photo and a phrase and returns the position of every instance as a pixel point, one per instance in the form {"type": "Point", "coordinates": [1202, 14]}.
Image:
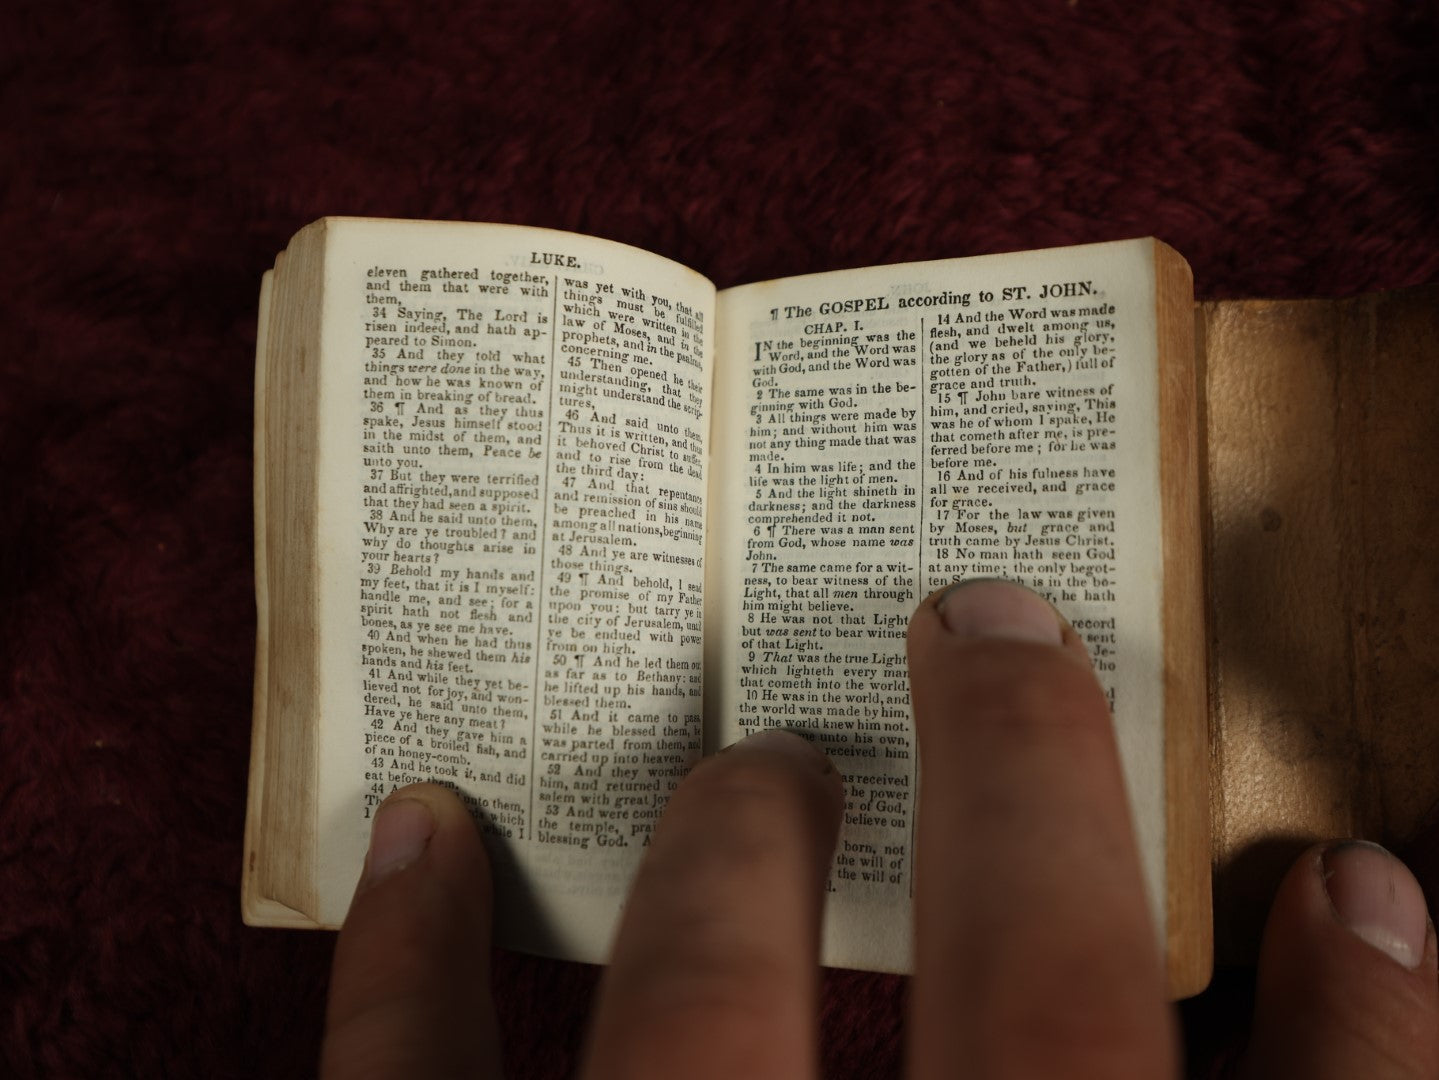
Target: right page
{"type": "Point", "coordinates": [881, 433]}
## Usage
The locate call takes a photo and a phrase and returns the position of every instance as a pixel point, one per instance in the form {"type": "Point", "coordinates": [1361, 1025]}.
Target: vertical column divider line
{"type": "Point", "coordinates": [544, 540]}
{"type": "Point", "coordinates": [918, 577]}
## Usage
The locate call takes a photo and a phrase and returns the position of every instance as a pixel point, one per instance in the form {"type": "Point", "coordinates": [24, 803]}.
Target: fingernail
{"type": "Point", "coordinates": [999, 609]}
{"type": "Point", "coordinates": [1377, 897]}
{"type": "Point", "coordinates": [401, 831]}
{"type": "Point", "coordinates": [777, 740]}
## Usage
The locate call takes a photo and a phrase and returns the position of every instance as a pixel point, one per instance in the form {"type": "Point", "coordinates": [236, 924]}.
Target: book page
{"type": "Point", "coordinates": [882, 433]}
{"type": "Point", "coordinates": [512, 469]}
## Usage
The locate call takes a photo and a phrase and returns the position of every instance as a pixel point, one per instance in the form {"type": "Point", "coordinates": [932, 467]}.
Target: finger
{"type": "Point", "coordinates": [715, 967]}
{"type": "Point", "coordinates": [1347, 978]}
{"type": "Point", "coordinates": [1035, 952]}
{"type": "Point", "coordinates": [410, 986]}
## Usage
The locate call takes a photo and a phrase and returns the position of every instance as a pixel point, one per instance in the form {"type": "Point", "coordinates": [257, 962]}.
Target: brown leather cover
{"type": "Point", "coordinates": [1322, 420]}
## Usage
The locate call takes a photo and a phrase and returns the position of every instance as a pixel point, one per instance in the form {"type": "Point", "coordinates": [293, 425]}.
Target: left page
{"type": "Point", "coordinates": [510, 535]}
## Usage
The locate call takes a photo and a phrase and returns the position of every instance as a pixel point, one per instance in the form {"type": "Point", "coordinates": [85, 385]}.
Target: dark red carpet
{"type": "Point", "coordinates": [157, 155]}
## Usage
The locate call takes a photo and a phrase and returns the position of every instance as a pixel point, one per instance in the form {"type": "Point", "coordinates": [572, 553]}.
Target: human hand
{"type": "Point", "coordinates": [1036, 955]}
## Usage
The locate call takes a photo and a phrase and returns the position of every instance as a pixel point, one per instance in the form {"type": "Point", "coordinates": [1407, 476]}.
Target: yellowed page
{"type": "Point", "coordinates": [880, 433]}
{"type": "Point", "coordinates": [511, 533]}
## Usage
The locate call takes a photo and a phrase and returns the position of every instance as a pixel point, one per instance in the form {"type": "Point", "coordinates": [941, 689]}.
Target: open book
{"type": "Point", "coordinates": [546, 518]}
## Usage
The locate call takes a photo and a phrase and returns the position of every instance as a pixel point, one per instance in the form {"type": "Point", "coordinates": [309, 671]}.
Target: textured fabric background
{"type": "Point", "coordinates": [157, 155]}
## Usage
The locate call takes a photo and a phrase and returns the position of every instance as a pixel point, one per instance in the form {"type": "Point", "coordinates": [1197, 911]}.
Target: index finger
{"type": "Point", "coordinates": [715, 967]}
{"type": "Point", "coordinates": [1036, 955]}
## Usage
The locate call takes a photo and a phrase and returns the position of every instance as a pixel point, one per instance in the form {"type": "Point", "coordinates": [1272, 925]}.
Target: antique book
{"type": "Point", "coordinates": [546, 518]}
{"type": "Point", "coordinates": [1323, 592]}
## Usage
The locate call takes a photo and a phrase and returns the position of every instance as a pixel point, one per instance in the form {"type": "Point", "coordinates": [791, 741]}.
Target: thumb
{"type": "Point", "coordinates": [1347, 982]}
{"type": "Point", "coordinates": [410, 987]}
